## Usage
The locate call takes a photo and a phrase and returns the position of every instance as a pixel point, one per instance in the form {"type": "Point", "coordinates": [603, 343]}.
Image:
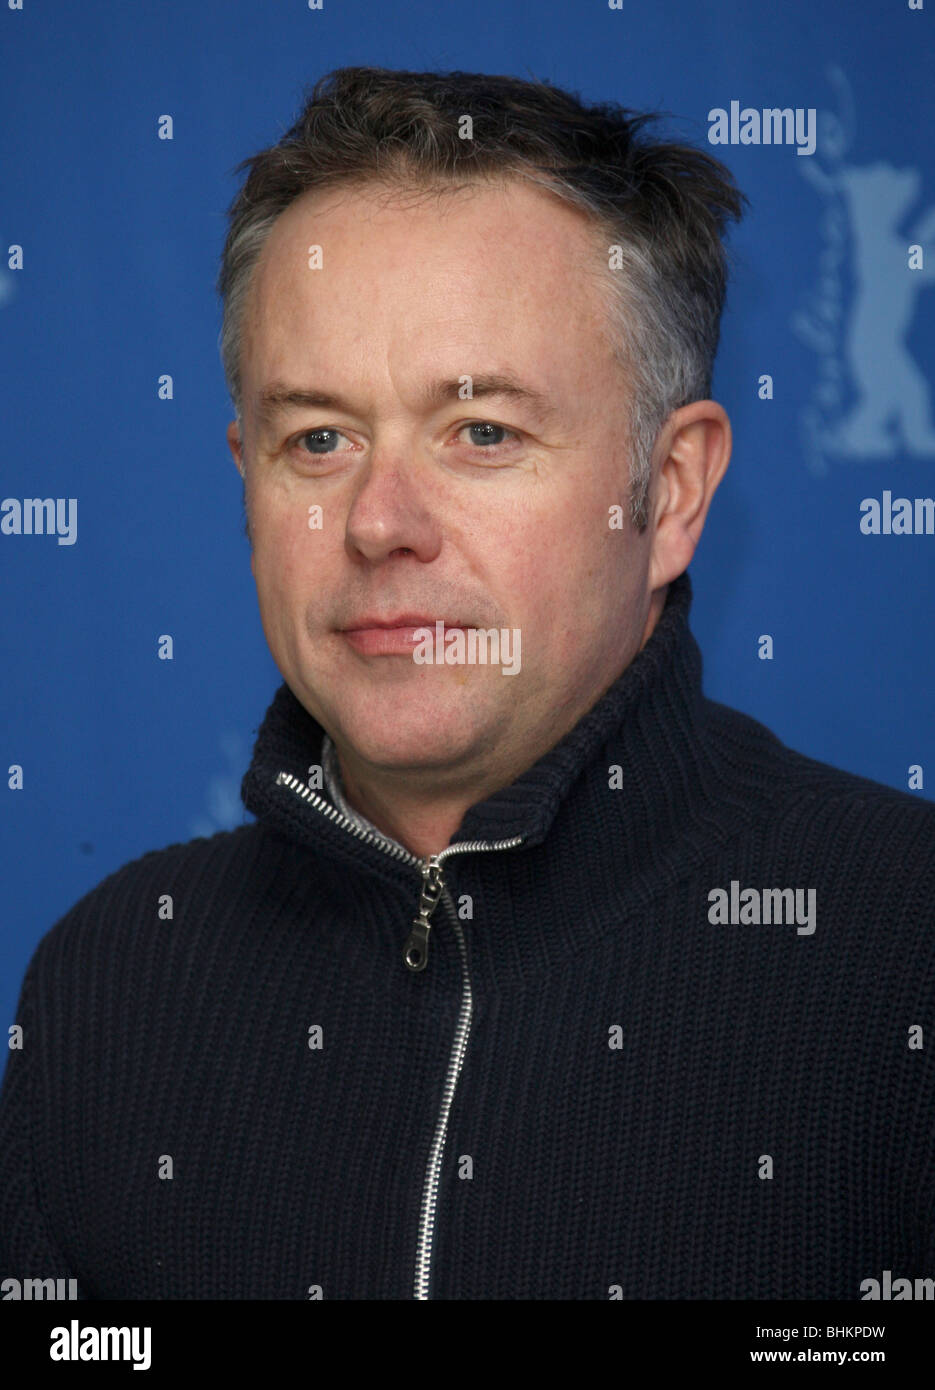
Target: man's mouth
{"type": "Point", "coordinates": [395, 636]}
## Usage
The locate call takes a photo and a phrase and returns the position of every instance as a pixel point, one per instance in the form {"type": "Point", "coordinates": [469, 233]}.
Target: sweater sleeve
{"type": "Point", "coordinates": [28, 1245]}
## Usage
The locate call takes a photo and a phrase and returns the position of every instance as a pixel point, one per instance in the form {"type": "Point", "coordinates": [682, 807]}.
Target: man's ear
{"type": "Point", "coordinates": [235, 446]}
{"type": "Point", "coordinates": [692, 454]}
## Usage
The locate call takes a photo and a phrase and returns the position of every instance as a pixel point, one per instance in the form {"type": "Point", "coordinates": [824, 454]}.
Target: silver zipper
{"type": "Point", "coordinates": [433, 1170]}
{"type": "Point", "coordinates": [415, 953]}
{"type": "Point", "coordinates": [433, 890]}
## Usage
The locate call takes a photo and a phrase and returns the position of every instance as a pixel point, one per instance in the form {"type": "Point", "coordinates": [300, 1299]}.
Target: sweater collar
{"type": "Point", "coordinates": [646, 721]}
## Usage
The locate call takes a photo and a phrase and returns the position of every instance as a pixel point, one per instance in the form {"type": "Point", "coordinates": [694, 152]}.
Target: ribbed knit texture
{"type": "Point", "coordinates": [594, 1167]}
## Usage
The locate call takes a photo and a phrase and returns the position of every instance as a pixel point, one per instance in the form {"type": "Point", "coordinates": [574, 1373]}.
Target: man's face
{"type": "Point", "coordinates": [489, 511]}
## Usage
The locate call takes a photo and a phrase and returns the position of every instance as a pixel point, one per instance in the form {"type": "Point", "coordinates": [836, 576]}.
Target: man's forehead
{"type": "Point", "coordinates": [534, 223]}
{"type": "Point", "coordinates": [512, 331]}
{"type": "Point", "coordinates": [279, 397]}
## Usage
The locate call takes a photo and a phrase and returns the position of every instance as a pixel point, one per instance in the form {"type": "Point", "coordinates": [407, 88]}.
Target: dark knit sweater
{"type": "Point", "coordinates": [592, 1089]}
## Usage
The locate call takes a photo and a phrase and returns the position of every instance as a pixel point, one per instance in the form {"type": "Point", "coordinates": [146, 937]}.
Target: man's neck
{"type": "Point", "coordinates": [424, 824]}
{"type": "Point", "coordinates": [420, 828]}
{"type": "Point", "coordinates": [421, 824]}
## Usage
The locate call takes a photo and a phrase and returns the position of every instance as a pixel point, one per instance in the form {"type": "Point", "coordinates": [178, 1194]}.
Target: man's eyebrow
{"type": "Point", "coordinates": [279, 397]}
{"type": "Point", "coordinates": [492, 384]}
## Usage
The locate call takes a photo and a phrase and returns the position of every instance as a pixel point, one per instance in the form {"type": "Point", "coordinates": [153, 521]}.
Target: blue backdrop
{"type": "Point", "coordinates": [110, 238]}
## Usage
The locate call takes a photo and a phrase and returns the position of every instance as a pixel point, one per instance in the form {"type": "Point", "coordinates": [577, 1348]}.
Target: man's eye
{"type": "Point", "coordinates": [482, 432]}
{"type": "Point", "coordinates": [321, 441]}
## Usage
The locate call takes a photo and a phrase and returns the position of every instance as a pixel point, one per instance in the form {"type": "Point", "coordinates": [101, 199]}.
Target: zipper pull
{"type": "Point", "coordinates": [417, 945]}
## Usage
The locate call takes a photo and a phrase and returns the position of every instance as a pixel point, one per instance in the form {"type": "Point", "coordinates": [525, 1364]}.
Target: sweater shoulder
{"type": "Point", "coordinates": [822, 806]}
{"type": "Point", "coordinates": [123, 905]}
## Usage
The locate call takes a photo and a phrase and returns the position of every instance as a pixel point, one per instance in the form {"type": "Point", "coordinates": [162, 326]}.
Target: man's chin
{"type": "Point", "coordinates": [412, 733]}
{"type": "Point", "coordinates": [422, 748]}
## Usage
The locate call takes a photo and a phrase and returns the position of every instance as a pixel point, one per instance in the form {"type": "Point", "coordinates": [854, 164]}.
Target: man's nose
{"type": "Point", "coordinates": [391, 512]}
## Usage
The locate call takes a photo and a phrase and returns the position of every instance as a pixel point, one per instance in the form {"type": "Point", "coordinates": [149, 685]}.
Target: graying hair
{"type": "Point", "coordinates": [662, 206]}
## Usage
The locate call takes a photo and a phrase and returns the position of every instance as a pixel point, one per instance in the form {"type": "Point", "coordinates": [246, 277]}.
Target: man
{"type": "Point", "coordinates": [539, 975]}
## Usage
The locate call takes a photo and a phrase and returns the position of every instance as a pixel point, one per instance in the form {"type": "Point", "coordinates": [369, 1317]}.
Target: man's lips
{"type": "Point", "coordinates": [392, 636]}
